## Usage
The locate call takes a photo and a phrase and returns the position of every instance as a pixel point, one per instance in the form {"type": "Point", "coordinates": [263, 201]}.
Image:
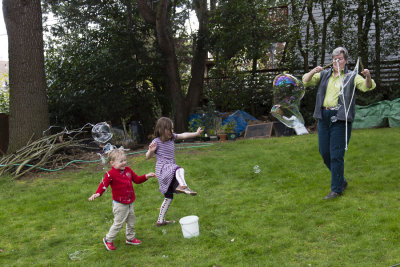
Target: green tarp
{"type": "Point", "coordinates": [381, 114]}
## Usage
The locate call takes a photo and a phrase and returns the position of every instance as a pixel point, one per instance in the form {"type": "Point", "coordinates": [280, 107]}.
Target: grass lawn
{"type": "Point", "coordinates": [274, 218]}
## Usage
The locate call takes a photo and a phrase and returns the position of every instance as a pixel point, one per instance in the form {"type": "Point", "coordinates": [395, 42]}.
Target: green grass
{"type": "Point", "coordinates": [275, 218]}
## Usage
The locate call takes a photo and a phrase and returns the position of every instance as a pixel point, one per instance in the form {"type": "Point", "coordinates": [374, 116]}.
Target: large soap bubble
{"type": "Point", "coordinates": [101, 132]}
{"type": "Point", "coordinates": [288, 91]}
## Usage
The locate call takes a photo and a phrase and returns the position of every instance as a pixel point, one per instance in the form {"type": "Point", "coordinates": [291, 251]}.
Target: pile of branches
{"type": "Point", "coordinates": [48, 152]}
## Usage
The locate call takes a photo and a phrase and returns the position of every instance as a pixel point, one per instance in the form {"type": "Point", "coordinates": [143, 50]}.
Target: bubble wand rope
{"type": "Point", "coordinates": [346, 111]}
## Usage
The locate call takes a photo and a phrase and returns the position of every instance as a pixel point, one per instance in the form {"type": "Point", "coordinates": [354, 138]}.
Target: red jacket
{"type": "Point", "coordinates": [121, 184]}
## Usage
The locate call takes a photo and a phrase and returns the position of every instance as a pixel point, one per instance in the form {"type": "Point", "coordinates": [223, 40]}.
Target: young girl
{"type": "Point", "coordinates": [120, 177]}
{"type": "Point", "coordinates": [171, 177]}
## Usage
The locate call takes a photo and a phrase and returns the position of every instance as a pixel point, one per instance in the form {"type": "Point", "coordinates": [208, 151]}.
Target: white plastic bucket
{"type": "Point", "coordinates": [190, 226]}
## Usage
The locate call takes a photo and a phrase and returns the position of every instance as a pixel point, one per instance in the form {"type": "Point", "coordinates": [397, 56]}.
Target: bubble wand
{"type": "Point", "coordinates": [326, 66]}
{"type": "Point", "coordinates": [341, 81]}
{"type": "Point", "coordinates": [361, 65]}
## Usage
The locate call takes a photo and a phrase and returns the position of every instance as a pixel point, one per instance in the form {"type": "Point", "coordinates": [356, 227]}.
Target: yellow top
{"type": "Point", "coordinates": [333, 88]}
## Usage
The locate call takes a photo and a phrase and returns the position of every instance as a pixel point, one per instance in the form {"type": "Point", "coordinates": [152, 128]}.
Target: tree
{"type": "Point", "coordinates": [101, 64]}
{"type": "Point", "coordinates": [4, 94]}
{"type": "Point", "coordinates": [365, 11]}
{"type": "Point", "coordinates": [367, 28]}
{"type": "Point", "coordinates": [28, 105]}
{"type": "Point", "coordinates": [243, 33]}
{"type": "Point", "coordinates": [160, 18]}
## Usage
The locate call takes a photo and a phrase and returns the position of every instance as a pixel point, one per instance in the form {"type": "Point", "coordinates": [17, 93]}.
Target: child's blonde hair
{"type": "Point", "coordinates": [115, 154]}
{"type": "Point", "coordinates": [162, 125]}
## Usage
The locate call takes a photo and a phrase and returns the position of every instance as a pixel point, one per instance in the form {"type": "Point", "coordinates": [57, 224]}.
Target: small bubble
{"type": "Point", "coordinates": [103, 160]}
{"type": "Point", "coordinates": [256, 169]}
{"type": "Point", "coordinates": [108, 148]}
{"type": "Point", "coordinates": [101, 132]}
{"type": "Point", "coordinates": [78, 255]}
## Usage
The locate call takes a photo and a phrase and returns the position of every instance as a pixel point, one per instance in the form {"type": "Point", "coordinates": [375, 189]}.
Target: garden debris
{"type": "Point", "coordinates": [49, 152]}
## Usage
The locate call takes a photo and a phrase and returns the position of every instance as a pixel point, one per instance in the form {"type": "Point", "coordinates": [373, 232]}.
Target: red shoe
{"type": "Point", "coordinates": [109, 245]}
{"type": "Point", "coordinates": [134, 242]}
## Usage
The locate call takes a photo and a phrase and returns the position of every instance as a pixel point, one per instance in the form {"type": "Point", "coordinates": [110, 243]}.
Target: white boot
{"type": "Point", "coordinates": [180, 177]}
{"type": "Point", "coordinates": [183, 188]}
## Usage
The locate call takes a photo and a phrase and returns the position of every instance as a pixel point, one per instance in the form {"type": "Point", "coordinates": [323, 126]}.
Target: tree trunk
{"type": "Point", "coordinates": [327, 20]}
{"type": "Point", "coordinates": [298, 9]}
{"type": "Point", "coordinates": [199, 59]}
{"type": "Point", "coordinates": [316, 31]}
{"type": "Point", "coordinates": [167, 47]}
{"type": "Point", "coordinates": [377, 44]}
{"type": "Point", "coordinates": [363, 27]}
{"type": "Point", "coordinates": [181, 105]}
{"type": "Point", "coordinates": [28, 104]}
{"type": "Point", "coordinates": [340, 26]}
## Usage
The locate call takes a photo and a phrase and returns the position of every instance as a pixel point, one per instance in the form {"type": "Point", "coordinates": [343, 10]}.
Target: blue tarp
{"type": "Point", "coordinates": [239, 117]}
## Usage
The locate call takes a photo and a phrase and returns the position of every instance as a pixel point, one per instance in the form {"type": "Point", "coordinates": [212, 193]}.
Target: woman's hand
{"type": "Point", "coordinates": [366, 73]}
{"type": "Point", "coordinates": [307, 77]}
{"type": "Point", "coordinates": [368, 80]}
{"type": "Point", "coordinates": [317, 69]}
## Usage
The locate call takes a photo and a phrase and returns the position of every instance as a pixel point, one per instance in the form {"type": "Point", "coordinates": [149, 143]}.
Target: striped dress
{"type": "Point", "coordinates": [166, 166]}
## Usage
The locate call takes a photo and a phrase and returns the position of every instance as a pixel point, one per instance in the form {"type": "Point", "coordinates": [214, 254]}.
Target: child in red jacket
{"type": "Point", "coordinates": [120, 177]}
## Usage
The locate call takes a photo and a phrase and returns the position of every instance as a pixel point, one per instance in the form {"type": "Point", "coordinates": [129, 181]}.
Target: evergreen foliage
{"type": "Point", "coordinates": [103, 60]}
{"type": "Point", "coordinates": [101, 65]}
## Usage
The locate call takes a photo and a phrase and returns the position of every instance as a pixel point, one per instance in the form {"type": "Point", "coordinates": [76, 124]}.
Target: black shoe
{"type": "Point", "coordinates": [344, 185]}
{"type": "Point", "coordinates": [332, 195]}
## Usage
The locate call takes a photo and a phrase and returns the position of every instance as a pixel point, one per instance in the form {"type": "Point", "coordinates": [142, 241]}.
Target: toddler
{"type": "Point", "coordinates": [120, 177]}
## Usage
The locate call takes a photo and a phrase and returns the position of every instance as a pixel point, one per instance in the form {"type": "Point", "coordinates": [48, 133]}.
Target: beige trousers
{"type": "Point", "coordinates": [122, 213]}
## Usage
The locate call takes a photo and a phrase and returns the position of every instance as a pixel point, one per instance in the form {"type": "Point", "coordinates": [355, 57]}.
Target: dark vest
{"type": "Point", "coordinates": [347, 93]}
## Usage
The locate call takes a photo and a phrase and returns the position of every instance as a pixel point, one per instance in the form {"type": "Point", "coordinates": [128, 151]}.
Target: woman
{"type": "Point", "coordinates": [334, 108]}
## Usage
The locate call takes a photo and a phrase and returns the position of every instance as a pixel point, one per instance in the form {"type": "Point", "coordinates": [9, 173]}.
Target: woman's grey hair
{"type": "Point", "coordinates": [340, 50]}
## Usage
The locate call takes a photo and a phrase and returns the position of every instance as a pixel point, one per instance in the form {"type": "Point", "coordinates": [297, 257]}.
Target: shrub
{"type": "Point", "coordinates": [4, 94]}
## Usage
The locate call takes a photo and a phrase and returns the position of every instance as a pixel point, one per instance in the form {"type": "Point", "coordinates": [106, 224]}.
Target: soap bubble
{"type": "Point", "coordinates": [108, 148]}
{"type": "Point", "coordinates": [256, 169]}
{"type": "Point", "coordinates": [288, 91]}
{"type": "Point", "coordinates": [101, 132]}
{"type": "Point", "coordinates": [78, 255]}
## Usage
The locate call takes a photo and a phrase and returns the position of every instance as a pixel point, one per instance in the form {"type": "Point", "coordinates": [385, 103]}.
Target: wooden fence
{"type": "Point", "coordinates": [389, 73]}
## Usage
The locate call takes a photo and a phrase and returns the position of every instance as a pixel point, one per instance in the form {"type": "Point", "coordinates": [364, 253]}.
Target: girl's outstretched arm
{"type": "Point", "coordinates": [152, 149]}
{"type": "Point", "coordinates": [189, 134]}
